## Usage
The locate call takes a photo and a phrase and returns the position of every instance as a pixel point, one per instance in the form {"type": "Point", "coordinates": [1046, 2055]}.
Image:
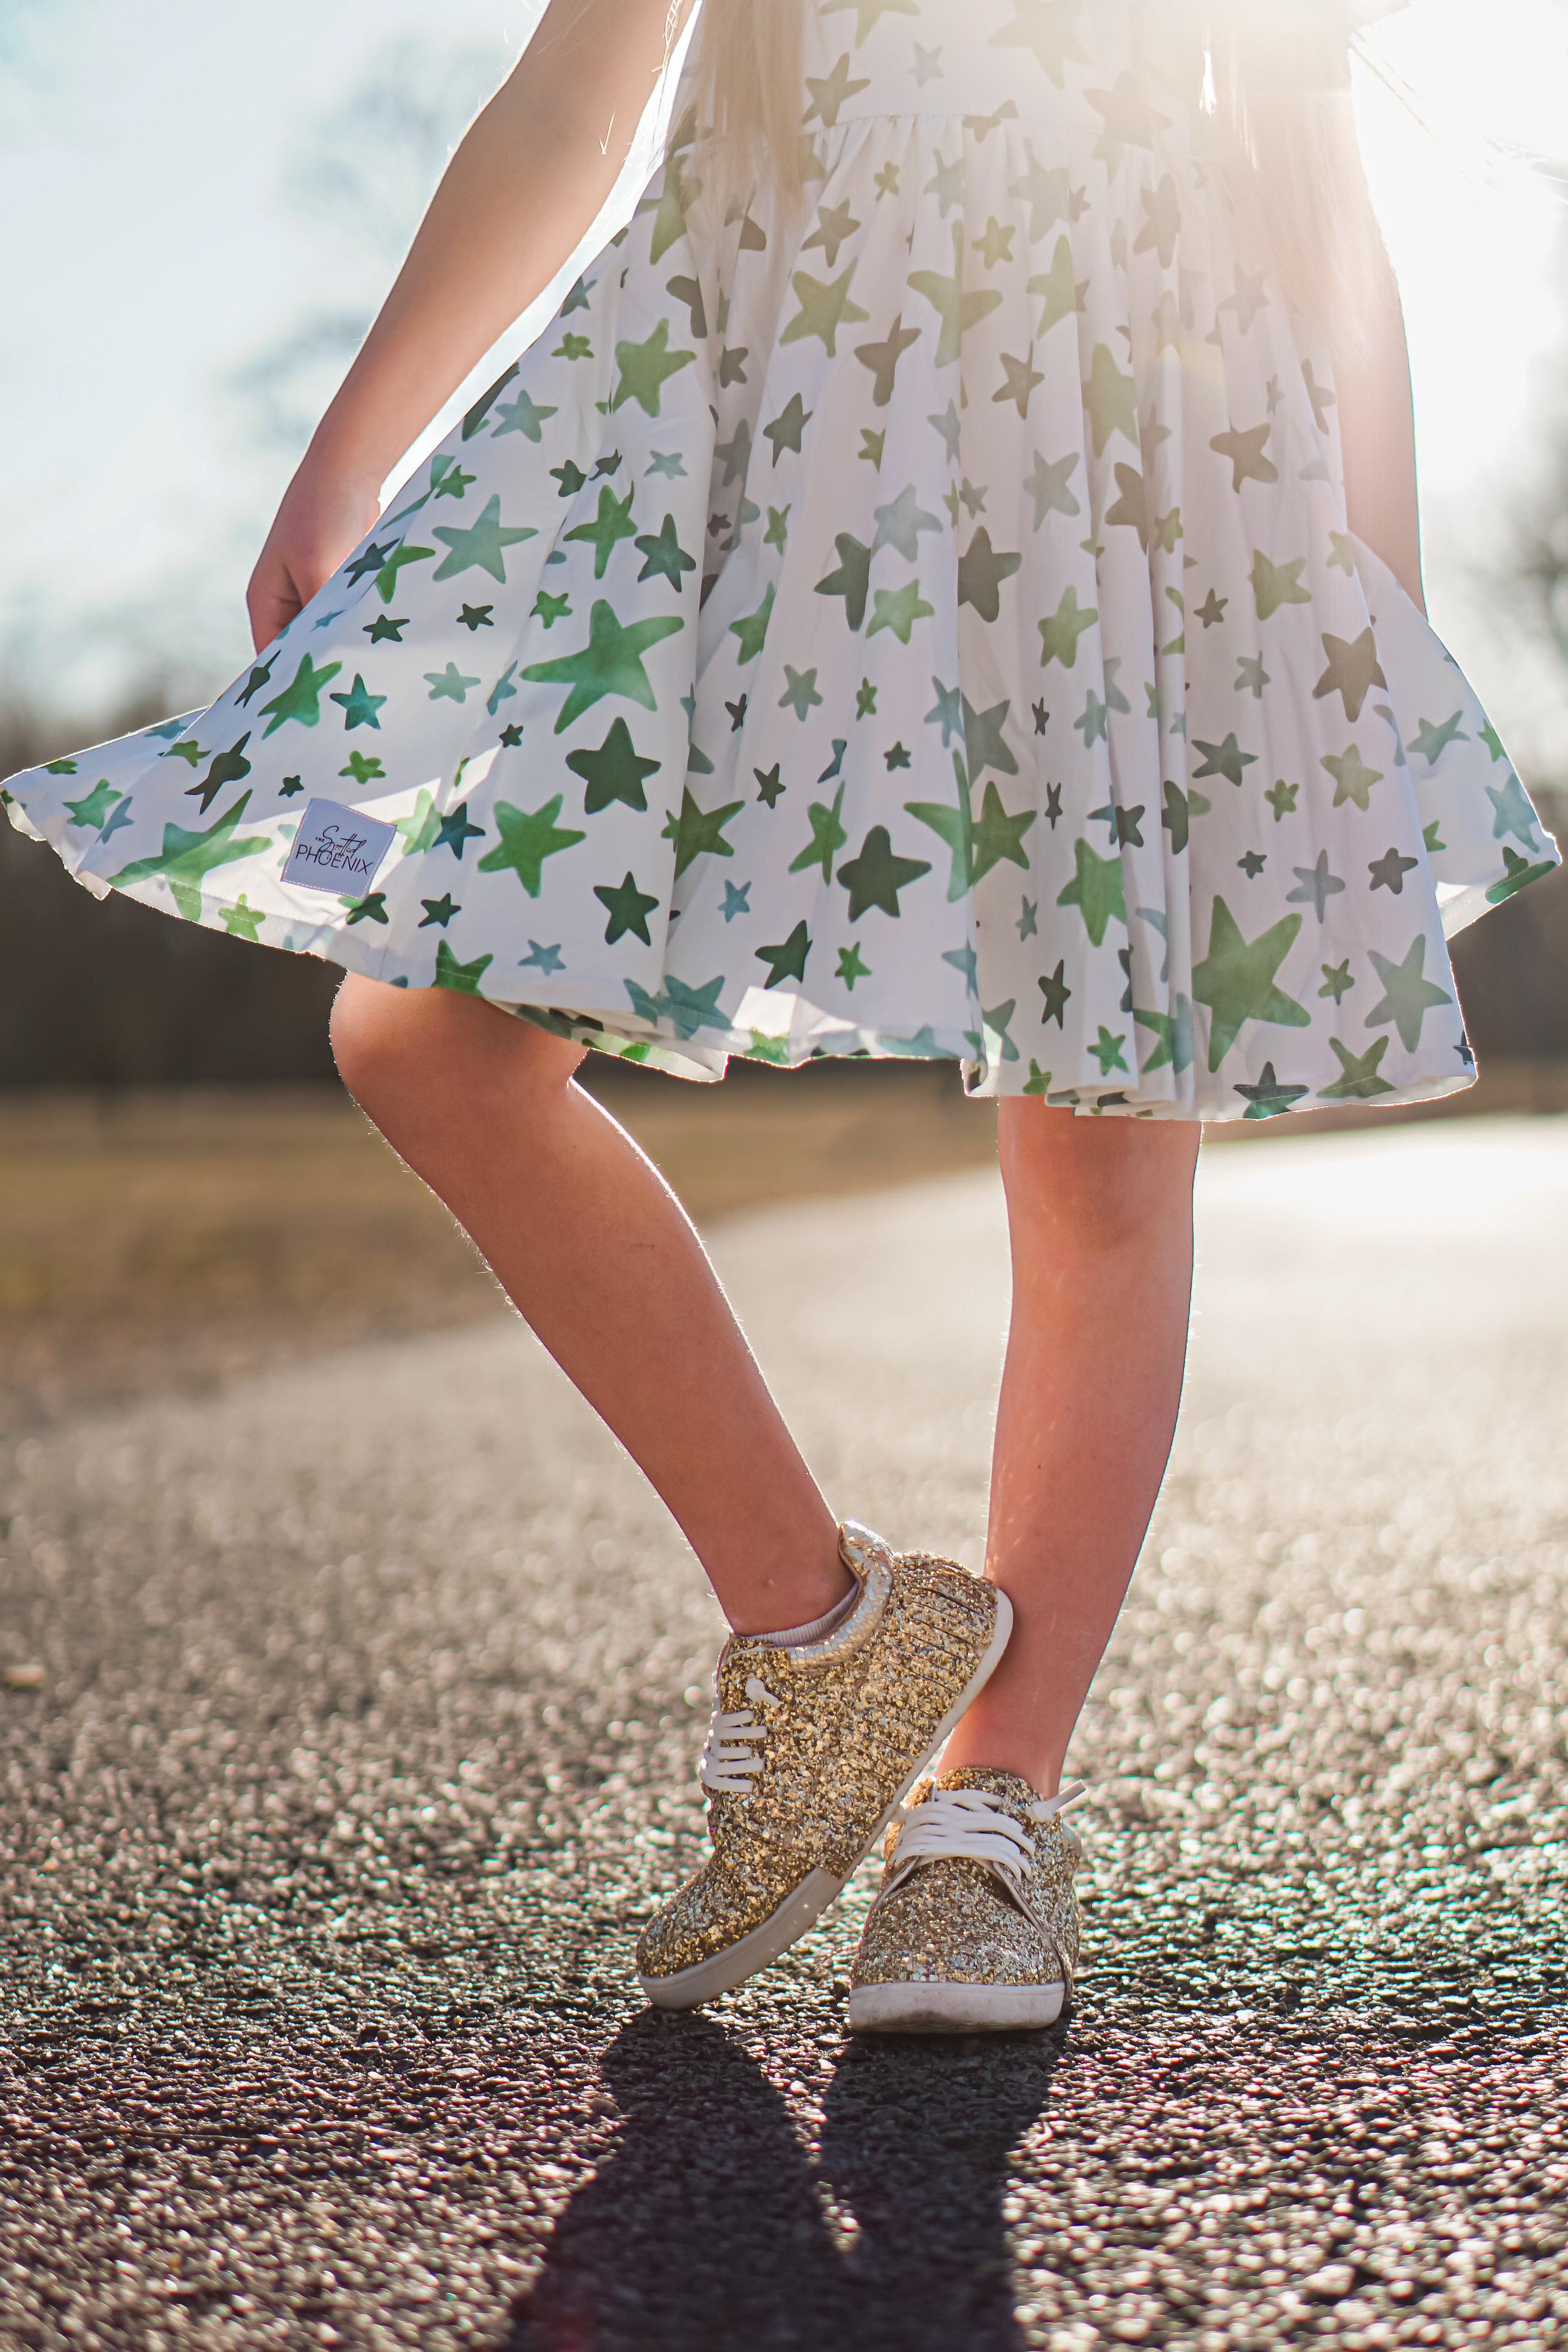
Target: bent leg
{"type": "Point", "coordinates": [1100, 1215]}
{"type": "Point", "coordinates": [601, 1260]}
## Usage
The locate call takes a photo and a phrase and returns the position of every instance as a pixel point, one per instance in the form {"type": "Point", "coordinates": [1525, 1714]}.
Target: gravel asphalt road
{"type": "Point", "coordinates": [372, 1699]}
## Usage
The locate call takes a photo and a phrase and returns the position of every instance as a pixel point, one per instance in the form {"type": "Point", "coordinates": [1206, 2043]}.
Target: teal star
{"type": "Point", "coordinates": [899, 523]}
{"type": "Point", "coordinates": [1517, 871]}
{"type": "Point", "coordinates": [615, 772]}
{"type": "Point", "coordinates": [752, 628]}
{"type": "Point", "coordinates": [300, 698]}
{"type": "Point", "coordinates": [681, 1006]}
{"type": "Point", "coordinates": [875, 876]}
{"type": "Point", "coordinates": [667, 462]}
{"type": "Point", "coordinates": [384, 628]}
{"type": "Point", "coordinates": [1060, 635]}
{"type": "Point", "coordinates": [957, 310]}
{"type": "Point", "coordinates": [524, 415]}
{"type": "Point", "coordinates": [646, 368]}
{"type": "Point", "coordinates": [386, 578]}
{"type": "Point", "coordinates": [464, 978]}
{"type": "Point", "coordinates": [371, 908]}
{"type": "Point", "coordinates": [549, 609]}
{"type": "Point", "coordinates": [93, 807]}
{"type": "Point", "coordinates": [737, 900]}
{"type": "Point", "coordinates": [186, 859]}
{"type": "Point", "coordinates": [612, 523]}
{"type": "Point", "coordinates": [770, 783]}
{"type": "Point", "coordinates": [852, 965]}
{"type": "Point", "coordinates": [824, 308]}
{"type": "Point", "coordinates": [1353, 779]}
{"type": "Point", "coordinates": [851, 580]}
{"type": "Point", "coordinates": [1336, 980]}
{"type": "Point", "coordinates": [995, 835]}
{"type": "Point", "coordinates": [1107, 1050]}
{"type": "Point", "coordinates": [981, 572]}
{"type": "Point", "coordinates": [481, 547]}
{"type": "Point", "coordinates": [359, 706]}
{"type": "Point", "coordinates": [1315, 886]}
{"type": "Point", "coordinates": [1095, 890]}
{"type": "Point", "coordinates": [1227, 759]}
{"type": "Point", "coordinates": [864, 699]}
{"type": "Point", "coordinates": [610, 663]}
{"type": "Point", "coordinates": [788, 426]}
{"type": "Point", "coordinates": [438, 910]}
{"type": "Point", "coordinates": [543, 959]}
{"type": "Point", "coordinates": [1512, 811]}
{"type": "Point", "coordinates": [448, 685]}
{"type": "Point", "coordinates": [628, 909]}
{"type": "Point", "coordinates": [827, 836]}
{"type": "Point", "coordinates": [1360, 1080]}
{"type": "Point", "coordinates": [456, 832]}
{"type": "Point", "coordinates": [1432, 740]}
{"type": "Point", "coordinates": [244, 921]}
{"type": "Point", "coordinates": [1054, 989]}
{"type": "Point", "coordinates": [1407, 994]}
{"type": "Point", "coordinates": [953, 827]}
{"type": "Point", "coordinates": [800, 694]}
{"type": "Point", "coordinates": [699, 832]}
{"type": "Point", "coordinates": [1048, 485]}
{"type": "Point", "coordinates": [787, 959]}
{"type": "Point", "coordinates": [897, 609]}
{"type": "Point", "coordinates": [1282, 799]}
{"type": "Point", "coordinates": [663, 558]}
{"type": "Point", "coordinates": [1270, 1097]}
{"type": "Point", "coordinates": [1174, 1033]}
{"type": "Point", "coordinates": [421, 829]}
{"type": "Point", "coordinates": [527, 838]}
{"type": "Point", "coordinates": [1236, 980]}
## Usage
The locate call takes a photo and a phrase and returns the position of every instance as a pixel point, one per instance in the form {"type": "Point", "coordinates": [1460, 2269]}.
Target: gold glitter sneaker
{"type": "Point", "coordinates": [812, 1751]}
{"type": "Point", "coordinates": [974, 1929]}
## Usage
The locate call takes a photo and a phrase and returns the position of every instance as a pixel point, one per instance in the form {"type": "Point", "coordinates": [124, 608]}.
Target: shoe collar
{"type": "Point", "coordinates": [870, 1562]}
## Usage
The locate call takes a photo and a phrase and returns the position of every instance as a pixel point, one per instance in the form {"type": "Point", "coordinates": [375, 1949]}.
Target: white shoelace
{"type": "Point", "coordinates": [970, 1825]}
{"type": "Point", "coordinates": [734, 1740]}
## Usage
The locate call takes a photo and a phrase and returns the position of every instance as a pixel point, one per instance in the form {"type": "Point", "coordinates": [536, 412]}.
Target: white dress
{"type": "Point", "coordinates": [926, 625]}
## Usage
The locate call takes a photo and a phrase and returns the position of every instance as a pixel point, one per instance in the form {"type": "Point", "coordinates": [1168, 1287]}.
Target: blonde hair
{"type": "Point", "coordinates": [1284, 137]}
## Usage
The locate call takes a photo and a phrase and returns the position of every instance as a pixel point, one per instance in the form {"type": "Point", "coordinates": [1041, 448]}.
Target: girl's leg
{"type": "Point", "coordinates": [1100, 1212]}
{"type": "Point", "coordinates": [599, 1257]}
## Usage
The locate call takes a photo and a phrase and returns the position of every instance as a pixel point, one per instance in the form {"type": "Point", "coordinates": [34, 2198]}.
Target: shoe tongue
{"type": "Point", "coordinates": [1014, 1792]}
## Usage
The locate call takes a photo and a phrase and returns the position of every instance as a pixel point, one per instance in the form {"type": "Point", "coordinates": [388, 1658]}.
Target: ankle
{"type": "Point", "coordinates": [978, 1752]}
{"type": "Point", "coordinates": [795, 1598]}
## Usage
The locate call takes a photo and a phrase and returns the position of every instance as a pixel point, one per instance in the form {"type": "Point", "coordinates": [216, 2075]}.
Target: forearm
{"type": "Point", "coordinates": [1377, 437]}
{"type": "Point", "coordinates": [523, 187]}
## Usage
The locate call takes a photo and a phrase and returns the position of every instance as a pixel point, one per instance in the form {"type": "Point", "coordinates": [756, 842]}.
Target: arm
{"type": "Point", "coordinates": [1377, 437]}
{"type": "Point", "coordinates": [1371, 377]}
{"type": "Point", "coordinates": [523, 185]}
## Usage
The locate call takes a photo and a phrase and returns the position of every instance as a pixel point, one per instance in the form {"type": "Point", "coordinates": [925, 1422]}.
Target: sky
{"type": "Point", "coordinates": [157, 246]}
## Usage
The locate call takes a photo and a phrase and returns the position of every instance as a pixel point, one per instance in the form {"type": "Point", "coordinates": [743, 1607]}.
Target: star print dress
{"type": "Point", "coordinates": [925, 624]}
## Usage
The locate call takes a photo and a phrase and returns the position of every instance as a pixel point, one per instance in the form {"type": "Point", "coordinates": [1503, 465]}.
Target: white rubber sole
{"type": "Point", "coordinates": [805, 1905]}
{"type": "Point", "coordinates": [954, 2008]}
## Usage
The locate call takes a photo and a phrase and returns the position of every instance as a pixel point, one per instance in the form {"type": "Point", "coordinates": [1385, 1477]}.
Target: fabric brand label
{"type": "Point", "coordinates": [337, 849]}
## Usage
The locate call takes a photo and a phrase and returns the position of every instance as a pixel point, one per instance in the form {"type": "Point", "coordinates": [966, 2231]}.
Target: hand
{"type": "Point", "coordinates": [325, 515]}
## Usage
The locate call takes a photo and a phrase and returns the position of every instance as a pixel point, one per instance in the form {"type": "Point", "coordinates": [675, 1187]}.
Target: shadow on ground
{"type": "Point", "coordinates": [712, 2224]}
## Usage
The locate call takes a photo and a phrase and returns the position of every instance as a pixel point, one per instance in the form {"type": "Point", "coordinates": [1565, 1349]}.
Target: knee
{"type": "Point", "coordinates": [427, 1050]}
{"type": "Point", "coordinates": [1096, 1186]}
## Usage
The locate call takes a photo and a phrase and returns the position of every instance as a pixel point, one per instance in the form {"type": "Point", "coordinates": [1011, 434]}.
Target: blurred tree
{"type": "Point", "coordinates": [361, 177]}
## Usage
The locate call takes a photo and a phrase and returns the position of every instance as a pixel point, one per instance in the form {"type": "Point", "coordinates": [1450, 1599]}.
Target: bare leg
{"type": "Point", "coordinates": [1100, 1212]}
{"type": "Point", "coordinates": [599, 1257]}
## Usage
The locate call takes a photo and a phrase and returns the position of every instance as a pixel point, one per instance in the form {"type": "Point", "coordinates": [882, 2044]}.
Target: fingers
{"type": "Point", "coordinates": [271, 603]}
